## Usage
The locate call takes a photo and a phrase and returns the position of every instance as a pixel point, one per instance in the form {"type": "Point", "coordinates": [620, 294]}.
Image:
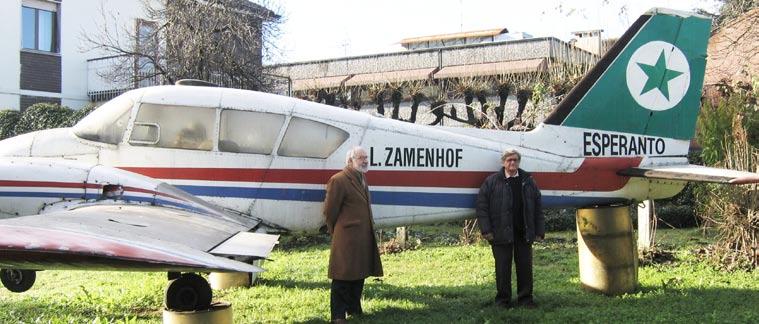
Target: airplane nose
{"type": "Point", "coordinates": [17, 146]}
{"type": "Point", "coordinates": [59, 142]}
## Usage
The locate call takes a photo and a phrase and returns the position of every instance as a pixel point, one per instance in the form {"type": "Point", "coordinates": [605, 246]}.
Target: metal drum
{"type": "Point", "coordinates": [218, 313]}
{"type": "Point", "coordinates": [607, 254]}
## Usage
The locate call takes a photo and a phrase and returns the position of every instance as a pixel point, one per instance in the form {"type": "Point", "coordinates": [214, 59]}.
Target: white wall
{"type": "Point", "coordinates": [79, 17]}
{"type": "Point", "coordinates": [10, 69]}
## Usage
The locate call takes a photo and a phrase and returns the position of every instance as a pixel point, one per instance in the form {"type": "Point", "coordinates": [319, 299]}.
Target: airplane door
{"type": "Point", "coordinates": [309, 153]}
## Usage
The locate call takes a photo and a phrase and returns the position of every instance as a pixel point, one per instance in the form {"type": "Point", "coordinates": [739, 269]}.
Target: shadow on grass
{"type": "Point", "coordinates": [295, 284]}
{"type": "Point", "coordinates": [386, 303]}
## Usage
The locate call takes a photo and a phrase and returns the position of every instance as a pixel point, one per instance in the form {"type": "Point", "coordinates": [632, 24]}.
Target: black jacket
{"type": "Point", "coordinates": [494, 208]}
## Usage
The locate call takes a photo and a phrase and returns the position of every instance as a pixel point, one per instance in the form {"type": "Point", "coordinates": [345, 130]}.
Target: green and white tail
{"type": "Point", "coordinates": [649, 83]}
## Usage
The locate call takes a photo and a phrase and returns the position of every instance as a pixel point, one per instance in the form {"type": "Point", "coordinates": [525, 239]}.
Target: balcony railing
{"type": "Point", "coordinates": [103, 83]}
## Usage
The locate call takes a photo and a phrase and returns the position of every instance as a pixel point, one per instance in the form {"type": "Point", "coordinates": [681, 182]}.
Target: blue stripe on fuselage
{"type": "Point", "coordinates": [397, 198]}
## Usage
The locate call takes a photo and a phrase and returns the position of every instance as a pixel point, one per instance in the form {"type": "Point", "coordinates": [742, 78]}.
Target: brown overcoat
{"type": "Point", "coordinates": [348, 215]}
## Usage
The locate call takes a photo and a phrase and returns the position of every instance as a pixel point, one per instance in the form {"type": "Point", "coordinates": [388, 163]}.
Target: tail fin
{"type": "Point", "coordinates": [648, 83]}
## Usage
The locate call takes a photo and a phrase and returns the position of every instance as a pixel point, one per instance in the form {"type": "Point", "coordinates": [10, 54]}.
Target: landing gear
{"type": "Point", "coordinates": [189, 292]}
{"type": "Point", "coordinates": [18, 280]}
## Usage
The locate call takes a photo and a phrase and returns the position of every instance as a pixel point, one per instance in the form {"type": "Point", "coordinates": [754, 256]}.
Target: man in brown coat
{"type": "Point", "coordinates": [353, 254]}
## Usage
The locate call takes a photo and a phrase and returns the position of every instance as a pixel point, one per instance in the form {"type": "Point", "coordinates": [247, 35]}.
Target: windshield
{"type": "Point", "coordinates": [107, 123]}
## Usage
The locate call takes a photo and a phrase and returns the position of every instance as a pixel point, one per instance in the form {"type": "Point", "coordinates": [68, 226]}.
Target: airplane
{"type": "Point", "coordinates": [187, 179]}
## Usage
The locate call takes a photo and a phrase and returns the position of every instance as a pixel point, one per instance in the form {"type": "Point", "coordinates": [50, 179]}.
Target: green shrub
{"type": "Point", "coordinates": [8, 121]}
{"type": "Point", "coordinates": [677, 216]}
{"type": "Point", "coordinates": [559, 219]}
{"type": "Point", "coordinates": [715, 125]}
{"type": "Point", "coordinates": [728, 135]}
{"type": "Point", "coordinates": [43, 116]}
{"type": "Point", "coordinates": [78, 115]}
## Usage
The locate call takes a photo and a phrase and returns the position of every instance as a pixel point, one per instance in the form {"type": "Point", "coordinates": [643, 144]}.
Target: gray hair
{"type": "Point", "coordinates": [352, 153]}
{"type": "Point", "coordinates": [510, 152]}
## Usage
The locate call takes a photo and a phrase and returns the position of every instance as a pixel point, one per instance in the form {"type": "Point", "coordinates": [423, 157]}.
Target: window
{"type": "Point", "coordinates": [312, 139]}
{"type": "Point", "coordinates": [107, 123]}
{"type": "Point", "coordinates": [147, 44]}
{"type": "Point", "coordinates": [39, 29]}
{"type": "Point", "coordinates": [248, 131]}
{"type": "Point", "coordinates": [174, 127]}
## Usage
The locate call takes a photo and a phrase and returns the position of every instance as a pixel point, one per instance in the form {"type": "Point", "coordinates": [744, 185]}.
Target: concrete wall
{"type": "Point", "coordinates": [86, 17]}
{"type": "Point", "coordinates": [515, 50]}
{"type": "Point", "coordinates": [10, 69]}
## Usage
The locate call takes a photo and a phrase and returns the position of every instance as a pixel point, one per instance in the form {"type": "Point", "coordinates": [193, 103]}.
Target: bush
{"type": "Point", "coordinates": [78, 115]}
{"type": "Point", "coordinates": [677, 216]}
{"type": "Point", "coordinates": [43, 116]}
{"type": "Point", "coordinates": [732, 210]}
{"type": "Point", "coordinates": [559, 219]}
{"type": "Point", "coordinates": [8, 121]}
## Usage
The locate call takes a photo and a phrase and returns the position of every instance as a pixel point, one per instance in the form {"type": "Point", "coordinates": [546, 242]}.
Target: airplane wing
{"type": "Point", "coordinates": [693, 173]}
{"type": "Point", "coordinates": [129, 237]}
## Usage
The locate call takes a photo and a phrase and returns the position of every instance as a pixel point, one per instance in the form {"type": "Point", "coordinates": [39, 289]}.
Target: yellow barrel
{"type": "Point", "coordinates": [219, 313]}
{"type": "Point", "coordinates": [608, 259]}
{"type": "Point", "coordinates": [226, 280]}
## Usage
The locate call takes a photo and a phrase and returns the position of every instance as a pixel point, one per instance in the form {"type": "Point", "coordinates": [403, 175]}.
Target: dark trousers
{"type": "Point", "coordinates": [521, 251]}
{"type": "Point", "coordinates": [345, 296]}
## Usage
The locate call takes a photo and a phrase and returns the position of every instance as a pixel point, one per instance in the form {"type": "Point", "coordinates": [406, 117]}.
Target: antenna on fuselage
{"type": "Point", "coordinates": [195, 83]}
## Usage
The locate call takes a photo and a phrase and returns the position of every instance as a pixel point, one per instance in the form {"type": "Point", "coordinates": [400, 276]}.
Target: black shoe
{"type": "Point", "coordinates": [504, 304]}
{"type": "Point", "coordinates": [358, 313]}
{"type": "Point", "coordinates": [528, 304]}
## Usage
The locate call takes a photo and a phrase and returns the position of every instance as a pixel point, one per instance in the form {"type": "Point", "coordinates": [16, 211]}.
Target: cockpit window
{"type": "Point", "coordinates": [249, 131]}
{"type": "Point", "coordinates": [310, 139]}
{"type": "Point", "coordinates": [172, 126]}
{"type": "Point", "coordinates": [107, 123]}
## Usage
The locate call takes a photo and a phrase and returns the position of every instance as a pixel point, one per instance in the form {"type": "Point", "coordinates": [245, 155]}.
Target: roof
{"type": "Point", "coordinates": [319, 83]}
{"type": "Point", "coordinates": [732, 55]}
{"type": "Point", "coordinates": [479, 33]}
{"type": "Point", "coordinates": [391, 76]}
{"type": "Point", "coordinates": [585, 32]}
{"type": "Point", "coordinates": [253, 8]}
{"type": "Point", "coordinates": [496, 68]}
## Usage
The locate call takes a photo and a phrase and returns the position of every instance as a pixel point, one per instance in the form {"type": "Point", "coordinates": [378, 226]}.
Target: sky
{"type": "Point", "coordinates": [321, 29]}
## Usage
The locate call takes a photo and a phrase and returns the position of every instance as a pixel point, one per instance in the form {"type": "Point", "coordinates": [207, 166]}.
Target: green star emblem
{"type": "Point", "coordinates": [658, 76]}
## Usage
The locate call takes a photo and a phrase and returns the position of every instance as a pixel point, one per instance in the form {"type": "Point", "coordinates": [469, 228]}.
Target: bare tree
{"type": "Point", "coordinates": [222, 41]}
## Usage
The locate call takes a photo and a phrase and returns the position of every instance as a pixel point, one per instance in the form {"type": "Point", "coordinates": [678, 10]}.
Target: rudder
{"type": "Point", "coordinates": [648, 83]}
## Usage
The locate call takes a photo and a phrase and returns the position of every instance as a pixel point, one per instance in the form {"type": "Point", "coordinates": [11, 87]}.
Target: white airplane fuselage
{"type": "Point", "coordinates": [418, 174]}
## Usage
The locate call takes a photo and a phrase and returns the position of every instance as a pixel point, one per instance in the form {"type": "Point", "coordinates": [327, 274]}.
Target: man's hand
{"type": "Point", "coordinates": [488, 236]}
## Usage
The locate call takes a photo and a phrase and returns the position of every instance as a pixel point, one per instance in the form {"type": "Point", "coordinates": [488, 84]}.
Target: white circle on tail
{"type": "Point", "coordinates": [658, 75]}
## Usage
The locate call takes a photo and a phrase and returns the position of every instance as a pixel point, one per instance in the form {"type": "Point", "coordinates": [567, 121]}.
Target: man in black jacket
{"type": "Point", "coordinates": [510, 217]}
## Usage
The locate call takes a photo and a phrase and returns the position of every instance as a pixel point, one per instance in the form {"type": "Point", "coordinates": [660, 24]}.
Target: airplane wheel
{"type": "Point", "coordinates": [189, 292]}
{"type": "Point", "coordinates": [18, 280]}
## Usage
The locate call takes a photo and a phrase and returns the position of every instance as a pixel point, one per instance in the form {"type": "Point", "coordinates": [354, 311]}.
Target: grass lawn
{"type": "Point", "coordinates": [435, 283]}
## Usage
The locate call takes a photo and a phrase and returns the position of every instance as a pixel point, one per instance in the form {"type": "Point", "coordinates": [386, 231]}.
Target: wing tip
{"type": "Point", "coordinates": [744, 180]}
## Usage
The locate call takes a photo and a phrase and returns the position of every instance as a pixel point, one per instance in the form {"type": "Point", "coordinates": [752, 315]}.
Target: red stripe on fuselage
{"type": "Point", "coordinates": [594, 174]}
{"type": "Point", "coordinates": [81, 185]}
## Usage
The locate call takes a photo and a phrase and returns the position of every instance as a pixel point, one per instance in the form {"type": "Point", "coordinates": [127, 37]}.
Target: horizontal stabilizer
{"type": "Point", "coordinates": [249, 244]}
{"type": "Point", "coordinates": [693, 173]}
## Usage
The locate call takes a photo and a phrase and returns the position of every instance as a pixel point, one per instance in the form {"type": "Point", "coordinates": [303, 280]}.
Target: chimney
{"type": "Point", "coordinates": [589, 40]}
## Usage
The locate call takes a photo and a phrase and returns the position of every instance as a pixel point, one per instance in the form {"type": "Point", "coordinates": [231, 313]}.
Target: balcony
{"type": "Point", "coordinates": [105, 80]}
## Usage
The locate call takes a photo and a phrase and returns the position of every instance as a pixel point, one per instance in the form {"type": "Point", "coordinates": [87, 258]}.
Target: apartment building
{"type": "Point", "coordinates": [44, 57]}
